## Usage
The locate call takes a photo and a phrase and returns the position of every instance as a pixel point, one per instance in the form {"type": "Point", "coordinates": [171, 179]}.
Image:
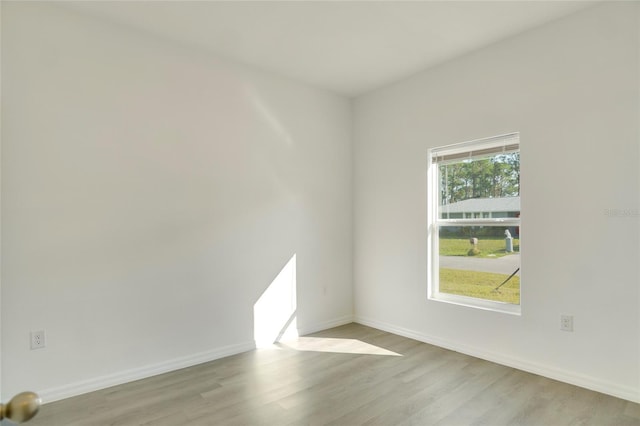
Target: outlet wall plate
{"type": "Point", "coordinates": [566, 322]}
{"type": "Point", "coordinates": [37, 340]}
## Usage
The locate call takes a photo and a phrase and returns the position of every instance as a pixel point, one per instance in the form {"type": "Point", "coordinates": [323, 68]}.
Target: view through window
{"type": "Point", "coordinates": [475, 222]}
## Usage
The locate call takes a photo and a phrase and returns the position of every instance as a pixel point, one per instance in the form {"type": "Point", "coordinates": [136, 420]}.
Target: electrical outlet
{"type": "Point", "coordinates": [37, 339]}
{"type": "Point", "coordinates": [566, 322]}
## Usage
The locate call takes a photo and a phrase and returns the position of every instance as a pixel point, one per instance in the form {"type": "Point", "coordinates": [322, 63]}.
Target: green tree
{"type": "Point", "coordinates": [496, 176]}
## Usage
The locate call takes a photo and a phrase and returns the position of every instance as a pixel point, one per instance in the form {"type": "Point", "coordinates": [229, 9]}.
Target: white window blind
{"type": "Point", "coordinates": [477, 149]}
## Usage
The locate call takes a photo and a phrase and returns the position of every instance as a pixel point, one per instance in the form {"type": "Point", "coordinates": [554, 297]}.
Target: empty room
{"type": "Point", "coordinates": [320, 212]}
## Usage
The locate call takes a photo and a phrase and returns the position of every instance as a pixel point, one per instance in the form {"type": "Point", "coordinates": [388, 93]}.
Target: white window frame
{"type": "Point", "coordinates": [508, 143]}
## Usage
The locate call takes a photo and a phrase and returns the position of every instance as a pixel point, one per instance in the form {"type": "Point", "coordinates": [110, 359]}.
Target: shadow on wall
{"type": "Point", "coordinates": [274, 314]}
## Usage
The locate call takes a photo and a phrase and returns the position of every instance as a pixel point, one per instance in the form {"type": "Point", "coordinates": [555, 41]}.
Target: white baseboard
{"type": "Point", "coordinates": [576, 379]}
{"type": "Point", "coordinates": [90, 385]}
{"type": "Point", "coordinates": [98, 383]}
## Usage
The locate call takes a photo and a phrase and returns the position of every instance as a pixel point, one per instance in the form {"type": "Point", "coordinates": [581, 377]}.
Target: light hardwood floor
{"type": "Point", "coordinates": [349, 375]}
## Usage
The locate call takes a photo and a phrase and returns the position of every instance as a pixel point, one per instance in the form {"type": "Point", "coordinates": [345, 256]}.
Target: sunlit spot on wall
{"type": "Point", "coordinates": [270, 118]}
{"type": "Point", "coordinates": [274, 314]}
{"type": "Point", "coordinates": [346, 346]}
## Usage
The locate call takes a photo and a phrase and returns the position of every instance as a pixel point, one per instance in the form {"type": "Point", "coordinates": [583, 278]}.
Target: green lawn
{"type": "Point", "coordinates": [480, 285]}
{"type": "Point", "coordinates": [488, 247]}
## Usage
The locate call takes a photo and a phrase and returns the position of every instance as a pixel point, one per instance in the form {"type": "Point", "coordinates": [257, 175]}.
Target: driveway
{"type": "Point", "coordinates": [499, 265]}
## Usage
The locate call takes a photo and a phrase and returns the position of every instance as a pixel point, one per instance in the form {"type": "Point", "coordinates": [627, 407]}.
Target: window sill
{"type": "Point", "coordinates": [471, 302]}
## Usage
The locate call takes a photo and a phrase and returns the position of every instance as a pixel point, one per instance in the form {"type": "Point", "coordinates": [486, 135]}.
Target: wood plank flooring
{"type": "Point", "coordinates": [349, 375]}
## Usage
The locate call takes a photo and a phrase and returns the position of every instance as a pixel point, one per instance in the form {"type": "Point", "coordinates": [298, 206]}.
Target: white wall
{"type": "Point", "coordinates": [150, 195]}
{"type": "Point", "coordinates": [571, 89]}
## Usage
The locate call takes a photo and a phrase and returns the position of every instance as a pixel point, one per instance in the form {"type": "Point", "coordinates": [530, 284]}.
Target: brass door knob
{"type": "Point", "coordinates": [22, 407]}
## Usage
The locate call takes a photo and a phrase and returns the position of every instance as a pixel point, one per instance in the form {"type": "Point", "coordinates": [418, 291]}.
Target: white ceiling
{"type": "Point", "coordinates": [349, 47]}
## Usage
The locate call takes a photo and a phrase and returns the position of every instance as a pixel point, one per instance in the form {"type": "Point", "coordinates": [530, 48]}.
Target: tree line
{"type": "Point", "coordinates": [497, 176]}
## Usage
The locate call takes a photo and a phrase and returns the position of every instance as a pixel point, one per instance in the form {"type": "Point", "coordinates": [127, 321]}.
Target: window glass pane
{"type": "Point", "coordinates": [474, 188]}
{"type": "Point", "coordinates": [475, 261]}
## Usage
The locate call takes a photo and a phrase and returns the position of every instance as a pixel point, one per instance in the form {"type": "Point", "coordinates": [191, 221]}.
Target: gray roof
{"type": "Point", "coordinates": [503, 204]}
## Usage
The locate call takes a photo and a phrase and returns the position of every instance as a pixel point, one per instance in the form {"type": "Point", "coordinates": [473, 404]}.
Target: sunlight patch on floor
{"type": "Point", "coordinates": [327, 344]}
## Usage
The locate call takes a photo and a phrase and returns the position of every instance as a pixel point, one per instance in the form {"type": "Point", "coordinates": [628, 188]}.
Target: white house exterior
{"type": "Point", "coordinates": [482, 208]}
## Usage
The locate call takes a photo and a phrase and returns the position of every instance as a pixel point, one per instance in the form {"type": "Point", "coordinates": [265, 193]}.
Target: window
{"type": "Point", "coordinates": [474, 223]}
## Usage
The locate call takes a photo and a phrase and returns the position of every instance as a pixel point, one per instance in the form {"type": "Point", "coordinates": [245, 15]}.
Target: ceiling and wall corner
{"type": "Point", "coordinates": [350, 48]}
